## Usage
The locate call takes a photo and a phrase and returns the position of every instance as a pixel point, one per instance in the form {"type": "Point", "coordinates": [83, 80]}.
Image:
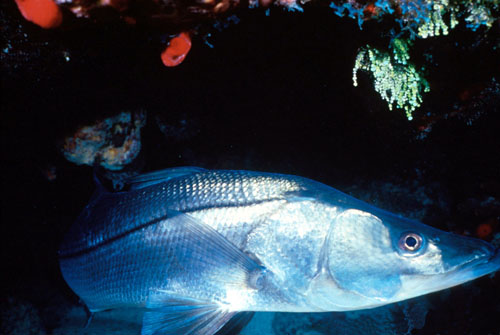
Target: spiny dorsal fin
{"type": "Point", "coordinates": [99, 188]}
{"type": "Point", "coordinates": [160, 176]}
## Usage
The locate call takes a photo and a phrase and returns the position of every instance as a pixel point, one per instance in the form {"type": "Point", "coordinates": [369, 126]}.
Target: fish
{"type": "Point", "coordinates": [199, 251]}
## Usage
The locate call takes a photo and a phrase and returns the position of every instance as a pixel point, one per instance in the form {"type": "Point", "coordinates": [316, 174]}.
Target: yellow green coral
{"type": "Point", "coordinates": [435, 24]}
{"type": "Point", "coordinates": [479, 13]}
{"type": "Point", "coordinates": [397, 81]}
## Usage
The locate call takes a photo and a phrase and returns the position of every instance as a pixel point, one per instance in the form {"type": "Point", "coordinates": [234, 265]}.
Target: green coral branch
{"type": "Point", "coordinates": [435, 24]}
{"type": "Point", "coordinates": [396, 80]}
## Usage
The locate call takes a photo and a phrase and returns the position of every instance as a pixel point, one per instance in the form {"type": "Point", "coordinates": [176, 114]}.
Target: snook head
{"type": "Point", "coordinates": [376, 258]}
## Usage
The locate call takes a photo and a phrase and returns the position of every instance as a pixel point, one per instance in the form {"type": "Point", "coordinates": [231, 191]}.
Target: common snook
{"type": "Point", "coordinates": [193, 248]}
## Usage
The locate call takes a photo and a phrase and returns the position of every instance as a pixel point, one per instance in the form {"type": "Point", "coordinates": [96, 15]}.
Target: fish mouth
{"type": "Point", "coordinates": [479, 266]}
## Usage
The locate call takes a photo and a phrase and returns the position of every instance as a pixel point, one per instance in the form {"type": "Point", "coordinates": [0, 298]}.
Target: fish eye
{"type": "Point", "coordinates": [410, 242]}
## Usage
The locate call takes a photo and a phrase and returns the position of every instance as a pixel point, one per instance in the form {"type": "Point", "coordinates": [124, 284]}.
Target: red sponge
{"type": "Point", "coordinates": [44, 13]}
{"type": "Point", "coordinates": [177, 50]}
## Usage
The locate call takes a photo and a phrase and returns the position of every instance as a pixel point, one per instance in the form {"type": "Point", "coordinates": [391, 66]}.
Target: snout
{"type": "Point", "coordinates": [485, 260]}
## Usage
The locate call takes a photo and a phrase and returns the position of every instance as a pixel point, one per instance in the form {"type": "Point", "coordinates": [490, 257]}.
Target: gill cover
{"type": "Point", "coordinates": [361, 257]}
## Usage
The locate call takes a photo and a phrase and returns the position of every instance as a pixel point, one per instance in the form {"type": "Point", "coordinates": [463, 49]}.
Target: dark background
{"type": "Point", "coordinates": [274, 94]}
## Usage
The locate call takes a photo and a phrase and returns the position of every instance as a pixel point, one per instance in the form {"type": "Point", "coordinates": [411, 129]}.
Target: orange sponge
{"type": "Point", "coordinates": [176, 50]}
{"type": "Point", "coordinates": [44, 13]}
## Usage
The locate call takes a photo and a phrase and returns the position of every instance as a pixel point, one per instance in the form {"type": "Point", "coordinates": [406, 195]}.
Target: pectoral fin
{"type": "Point", "coordinates": [202, 248]}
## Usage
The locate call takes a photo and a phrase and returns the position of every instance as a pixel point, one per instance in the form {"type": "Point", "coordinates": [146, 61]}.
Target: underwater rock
{"type": "Point", "coordinates": [395, 319]}
{"type": "Point", "coordinates": [19, 317]}
{"type": "Point", "coordinates": [112, 143]}
{"type": "Point", "coordinates": [115, 322]}
{"type": "Point", "coordinates": [496, 240]}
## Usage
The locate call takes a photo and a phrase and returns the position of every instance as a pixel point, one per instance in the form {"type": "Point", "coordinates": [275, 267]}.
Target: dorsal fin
{"type": "Point", "coordinates": [100, 189]}
{"type": "Point", "coordinates": [160, 176]}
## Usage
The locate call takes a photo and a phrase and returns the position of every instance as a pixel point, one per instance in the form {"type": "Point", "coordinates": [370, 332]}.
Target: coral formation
{"type": "Point", "coordinates": [397, 81]}
{"type": "Point", "coordinates": [394, 319]}
{"type": "Point", "coordinates": [111, 143]}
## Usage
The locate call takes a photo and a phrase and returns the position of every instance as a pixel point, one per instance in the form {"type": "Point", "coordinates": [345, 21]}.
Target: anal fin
{"type": "Point", "coordinates": [171, 315]}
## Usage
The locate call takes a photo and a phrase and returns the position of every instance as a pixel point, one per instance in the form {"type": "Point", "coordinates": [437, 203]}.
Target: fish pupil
{"type": "Point", "coordinates": [411, 242]}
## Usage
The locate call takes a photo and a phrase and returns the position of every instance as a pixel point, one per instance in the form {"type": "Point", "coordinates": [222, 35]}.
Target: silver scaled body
{"type": "Point", "coordinates": [236, 241]}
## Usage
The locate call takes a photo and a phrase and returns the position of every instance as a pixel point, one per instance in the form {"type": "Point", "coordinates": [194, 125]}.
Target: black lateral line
{"type": "Point", "coordinates": [110, 240]}
{"type": "Point", "coordinates": [147, 224]}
